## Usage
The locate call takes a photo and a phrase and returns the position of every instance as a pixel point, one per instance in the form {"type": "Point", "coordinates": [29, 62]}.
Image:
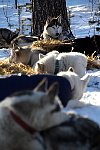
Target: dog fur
{"type": "Point", "coordinates": [6, 36]}
{"type": "Point", "coordinates": [78, 86]}
{"type": "Point", "coordinates": [26, 55]}
{"type": "Point", "coordinates": [52, 29]}
{"type": "Point", "coordinates": [77, 133]}
{"type": "Point", "coordinates": [53, 129]}
{"type": "Point", "coordinates": [39, 109]}
{"type": "Point", "coordinates": [23, 40]}
{"type": "Point", "coordinates": [47, 63]}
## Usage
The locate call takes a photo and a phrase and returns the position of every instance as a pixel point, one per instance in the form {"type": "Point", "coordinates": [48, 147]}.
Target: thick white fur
{"type": "Point", "coordinates": [76, 60]}
{"type": "Point", "coordinates": [78, 86]}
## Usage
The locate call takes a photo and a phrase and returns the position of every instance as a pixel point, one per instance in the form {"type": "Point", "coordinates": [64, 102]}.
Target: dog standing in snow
{"type": "Point", "coordinates": [78, 86]}
{"type": "Point", "coordinates": [55, 62]}
{"type": "Point", "coordinates": [52, 29]}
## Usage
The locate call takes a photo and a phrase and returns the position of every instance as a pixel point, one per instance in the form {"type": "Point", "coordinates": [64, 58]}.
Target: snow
{"type": "Point", "coordinates": [80, 27]}
{"type": "Point", "coordinates": [91, 98]}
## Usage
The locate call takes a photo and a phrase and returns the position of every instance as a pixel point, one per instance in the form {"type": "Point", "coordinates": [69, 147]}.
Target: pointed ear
{"type": "Point", "coordinates": [42, 86]}
{"type": "Point", "coordinates": [53, 91]}
{"type": "Point", "coordinates": [41, 56]}
{"type": "Point", "coordinates": [85, 79]}
{"type": "Point", "coordinates": [48, 20]}
{"type": "Point", "coordinates": [59, 18]}
{"type": "Point", "coordinates": [40, 67]}
{"type": "Point", "coordinates": [18, 48]}
{"type": "Point", "coordinates": [71, 69]}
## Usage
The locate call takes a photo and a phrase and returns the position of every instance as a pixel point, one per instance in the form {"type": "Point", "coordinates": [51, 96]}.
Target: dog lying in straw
{"type": "Point", "coordinates": [52, 29]}
{"type": "Point", "coordinates": [55, 62]}
{"type": "Point", "coordinates": [25, 54]}
{"type": "Point", "coordinates": [33, 120]}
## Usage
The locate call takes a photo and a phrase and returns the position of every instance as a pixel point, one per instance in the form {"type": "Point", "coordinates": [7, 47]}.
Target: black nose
{"type": "Point", "coordinates": [57, 34]}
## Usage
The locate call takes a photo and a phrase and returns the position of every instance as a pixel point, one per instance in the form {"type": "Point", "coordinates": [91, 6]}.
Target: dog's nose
{"type": "Point", "coordinates": [57, 34]}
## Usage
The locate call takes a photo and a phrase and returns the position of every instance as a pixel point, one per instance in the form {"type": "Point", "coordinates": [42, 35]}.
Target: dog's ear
{"type": "Point", "coordinates": [41, 67]}
{"type": "Point", "coordinates": [48, 20]}
{"type": "Point", "coordinates": [42, 86]}
{"type": "Point", "coordinates": [71, 69]}
{"type": "Point", "coordinates": [41, 56]}
{"type": "Point", "coordinates": [17, 51]}
{"type": "Point", "coordinates": [53, 91]}
{"type": "Point", "coordinates": [59, 18]}
{"type": "Point", "coordinates": [85, 79]}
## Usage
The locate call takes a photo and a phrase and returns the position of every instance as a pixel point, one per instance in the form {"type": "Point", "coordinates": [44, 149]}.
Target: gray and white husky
{"type": "Point", "coordinates": [24, 114]}
{"type": "Point", "coordinates": [52, 29]}
{"type": "Point", "coordinates": [33, 120]}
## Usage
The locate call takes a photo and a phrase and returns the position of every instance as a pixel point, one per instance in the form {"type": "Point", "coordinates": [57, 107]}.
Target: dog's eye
{"type": "Point", "coordinates": [57, 108]}
{"type": "Point", "coordinates": [53, 27]}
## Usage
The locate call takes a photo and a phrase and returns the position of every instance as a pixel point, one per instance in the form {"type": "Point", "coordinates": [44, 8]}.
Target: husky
{"type": "Point", "coordinates": [52, 29]}
{"type": "Point", "coordinates": [24, 114]}
{"type": "Point", "coordinates": [78, 86]}
{"type": "Point", "coordinates": [77, 133]}
{"type": "Point", "coordinates": [25, 54]}
{"type": "Point", "coordinates": [33, 120]}
{"type": "Point", "coordinates": [54, 62]}
{"type": "Point", "coordinates": [7, 36]}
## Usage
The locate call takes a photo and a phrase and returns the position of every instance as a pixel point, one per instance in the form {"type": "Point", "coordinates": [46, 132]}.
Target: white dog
{"type": "Point", "coordinates": [25, 113]}
{"type": "Point", "coordinates": [78, 86]}
{"type": "Point", "coordinates": [52, 29]}
{"type": "Point", "coordinates": [55, 62]}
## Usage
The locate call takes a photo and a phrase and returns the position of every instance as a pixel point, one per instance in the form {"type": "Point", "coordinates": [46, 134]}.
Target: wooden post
{"type": "Point", "coordinates": [15, 4]}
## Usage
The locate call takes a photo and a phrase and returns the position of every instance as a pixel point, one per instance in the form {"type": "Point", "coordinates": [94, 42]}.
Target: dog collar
{"type": "Point", "coordinates": [23, 124]}
{"type": "Point", "coordinates": [56, 66]}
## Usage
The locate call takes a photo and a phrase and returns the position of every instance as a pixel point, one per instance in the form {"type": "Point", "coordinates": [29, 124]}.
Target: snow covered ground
{"type": "Point", "coordinates": [80, 28]}
{"type": "Point", "coordinates": [83, 12]}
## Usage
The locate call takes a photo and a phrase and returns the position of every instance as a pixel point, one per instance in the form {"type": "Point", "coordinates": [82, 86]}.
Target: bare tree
{"type": "Point", "coordinates": [41, 9]}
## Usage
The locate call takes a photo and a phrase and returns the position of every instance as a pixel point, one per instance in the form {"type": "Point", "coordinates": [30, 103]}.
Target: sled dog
{"type": "Point", "coordinates": [24, 114]}
{"type": "Point", "coordinates": [33, 120]}
{"type": "Point", "coordinates": [6, 36]}
{"type": "Point", "coordinates": [25, 54]}
{"type": "Point", "coordinates": [78, 86]}
{"type": "Point", "coordinates": [52, 29]}
{"type": "Point", "coordinates": [54, 62]}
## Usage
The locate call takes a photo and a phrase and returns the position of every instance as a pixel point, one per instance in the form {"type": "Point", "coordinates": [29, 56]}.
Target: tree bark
{"type": "Point", "coordinates": [41, 9]}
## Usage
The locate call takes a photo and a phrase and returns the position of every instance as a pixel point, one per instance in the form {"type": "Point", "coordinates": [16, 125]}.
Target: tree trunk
{"type": "Point", "coordinates": [41, 9]}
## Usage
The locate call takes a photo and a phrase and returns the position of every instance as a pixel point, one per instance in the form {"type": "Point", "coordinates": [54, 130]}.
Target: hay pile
{"type": "Point", "coordinates": [65, 46]}
{"type": "Point", "coordinates": [93, 62]}
{"type": "Point", "coordinates": [12, 68]}
{"type": "Point", "coordinates": [7, 68]}
{"type": "Point", "coordinates": [50, 45]}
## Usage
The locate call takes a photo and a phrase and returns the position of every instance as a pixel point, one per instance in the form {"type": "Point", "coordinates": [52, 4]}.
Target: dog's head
{"type": "Point", "coordinates": [45, 64]}
{"type": "Point", "coordinates": [20, 54]}
{"type": "Point", "coordinates": [53, 27]}
{"type": "Point", "coordinates": [40, 108]}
